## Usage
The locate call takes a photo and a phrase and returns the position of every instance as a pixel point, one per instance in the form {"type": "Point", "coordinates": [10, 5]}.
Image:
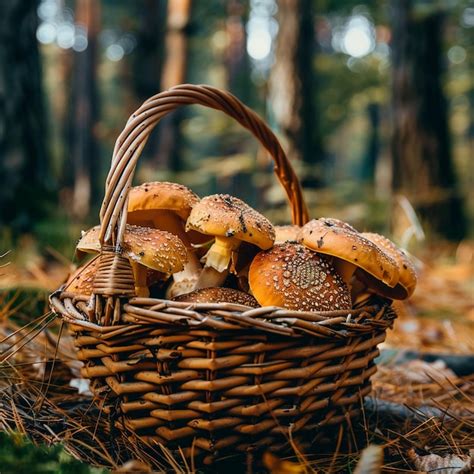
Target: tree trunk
{"type": "Point", "coordinates": [148, 58]}
{"type": "Point", "coordinates": [24, 161]}
{"type": "Point", "coordinates": [236, 58]}
{"type": "Point", "coordinates": [422, 167]}
{"type": "Point", "coordinates": [84, 146]}
{"type": "Point", "coordinates": [369, 164]}
{"type": "Point", "coordinates": [174, 72]}
{"type": "Point", "coordinates": [292, 86]}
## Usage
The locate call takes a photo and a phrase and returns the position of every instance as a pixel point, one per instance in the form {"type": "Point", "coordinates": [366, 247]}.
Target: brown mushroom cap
{"type": "Point", "coordinates": [407, 273]}
{"type": "Point", "coordinates": [145, 199]}
{"type": "Point", "coordinates": [89, 242]}
{"type": "Point", "coordinates": [164, 206]}
{"type": "Point", "coordinates": [287, 233]}
{"type": "Point", "coordinates": [340, 240]}
{"type": "Point", "coordinates": [81, 282]}
{"type": "Point", "coordinates": [291, 276]}
{"type": "Point", "coordinates": [332, 221]}
{"type": "Point", "coordinates": [219, 295]}
{"type": "Point", "coordinates": [152, 248]}
{"type": "Point", "coordinates": [222, 215]}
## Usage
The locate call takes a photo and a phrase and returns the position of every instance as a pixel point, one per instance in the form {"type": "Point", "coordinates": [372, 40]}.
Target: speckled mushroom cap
{"type": "Point", "coordinates": [149, 197]}
{"type": "Point", "coordinates": [341, 240]}
{"type": "Point", "coordinates": [227, 216]}
{"type": "Point", "coordinates": [81, 282]}
{"type": "Point", "coordinates": [407, 279]}
{"type": "Point", "coordinates": [164, 206]}
{"type": "Point", "coordinates": [152, 248]}
{"type": "Point", "coordinates": [291, 276]}
{"type": "Point", "coordinates": [332, 221]}
{"type": "Point", "coordinates": [89, 242]}
{"type": "Point", "coordinates": [219, 295]}
{"type": "Point", "coordinates": [287, 233]}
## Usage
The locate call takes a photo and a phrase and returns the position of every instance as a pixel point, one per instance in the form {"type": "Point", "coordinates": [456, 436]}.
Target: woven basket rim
{"type": "Point", "coordinates": [337, 324]}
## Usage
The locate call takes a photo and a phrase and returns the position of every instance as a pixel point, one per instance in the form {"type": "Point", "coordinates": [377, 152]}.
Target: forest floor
{"type": "Point", "coordinates": [420, 410]}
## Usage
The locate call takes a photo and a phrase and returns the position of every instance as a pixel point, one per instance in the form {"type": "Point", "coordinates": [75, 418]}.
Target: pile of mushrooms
{"type": "Point", "coordinates": [220, 250]}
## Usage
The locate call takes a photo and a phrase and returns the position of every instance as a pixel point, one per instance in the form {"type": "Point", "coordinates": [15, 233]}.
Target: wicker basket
{"type": "Point", "coordinates": [213, 377]}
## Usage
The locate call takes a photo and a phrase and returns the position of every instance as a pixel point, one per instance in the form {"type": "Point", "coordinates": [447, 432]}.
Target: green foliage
{"type": "Point", "coordinates": [19, 456]}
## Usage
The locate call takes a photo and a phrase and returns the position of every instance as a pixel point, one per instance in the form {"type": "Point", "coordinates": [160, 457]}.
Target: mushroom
{"type": "Point", "coordinates": [145, 248]}
{"type": "Point", "coordinates": [287, 233]}
{"type": "Point", "coordinates": [349, 249]}
{"type": "Point", "coordinates": [407, 280]}
{"type": "Point", "coordinates": [240, 264]}
{"type": "Point", "coordinates": [166, 206]}
{"type": "Point", "coordinates": [81, 282]}
{"type": "Point", "coordinates": [291, 276]}
{"type": "Point", "coordinates": [219, 295]}
{"type": "Point", "coordinates": [230, 221]}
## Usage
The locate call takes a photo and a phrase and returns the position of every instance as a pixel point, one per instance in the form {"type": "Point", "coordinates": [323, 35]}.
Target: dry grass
{"type": "Point", "coordinates": [416, 409]}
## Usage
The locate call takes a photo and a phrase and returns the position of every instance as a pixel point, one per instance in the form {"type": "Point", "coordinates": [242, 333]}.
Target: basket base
{"type": "Point", "coordinates": [200, 379]}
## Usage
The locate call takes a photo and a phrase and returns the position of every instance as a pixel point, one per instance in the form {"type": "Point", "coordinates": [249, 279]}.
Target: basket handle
{"type": "Point", "coordinates": [130, 143]}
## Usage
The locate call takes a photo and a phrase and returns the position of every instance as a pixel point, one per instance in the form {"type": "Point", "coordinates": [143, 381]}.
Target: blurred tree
{"type": "Point", "coordinates": [86, 179]}
{"type": "Point", "coordinates": [236, 58]}
{"type": "Point", "coordinates": [24, 163]}
{"type": "Point", "coordinates": [423, 169]}
{"type": "Point", "coordinates": [292, 82]}
{"type": "Point", "coordinates": [371, 155]}
{"type": "Point", "coordinates": [174, 72]}
{"type": "Point", "coordinates": [148, 59]}
{"type": "Point", "coordinates": [148, 56]}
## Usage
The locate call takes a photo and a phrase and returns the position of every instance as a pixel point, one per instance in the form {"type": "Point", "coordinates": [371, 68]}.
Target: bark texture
{"type": "Point", "coordinates": [422, 166]}
{"type": "Point", "coordinates": [24, 161]}
{"type": "Point", "coordinates": [84, 152]}
{"type": "Point", "coordinates": [293, 82]}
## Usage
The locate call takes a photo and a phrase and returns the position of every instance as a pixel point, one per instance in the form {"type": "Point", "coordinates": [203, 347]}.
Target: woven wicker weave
{"type": "Point", "coordinates": [217, 376]}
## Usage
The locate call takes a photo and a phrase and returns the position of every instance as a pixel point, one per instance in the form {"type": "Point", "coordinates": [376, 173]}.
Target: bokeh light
{"type": "Point", "coordinates": [457, 54]}
{"type": "Point", "coordinates": [259, 41]}
{"type": "Point", "coordinates": [262, 29]}
{"type": "Point", "coordinates": [46, 33]}
{"type": "Point", "coordinates": [114, 52]}
{"type": "Point", "coordinates": [65, 36]}
{"type": "Point", "coordinates": [358, 39]}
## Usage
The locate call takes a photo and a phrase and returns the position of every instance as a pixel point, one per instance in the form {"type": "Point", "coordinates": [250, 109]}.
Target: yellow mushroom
{"type": "Point", "coordinates": [349, 249]}
{"type": "Point", "coordinates": [166, 206]}
{"type": "Point", "coordinates": [407, 274]}
{"type": "Point", "coordinates": [230, 222]}
{"type": "Point", "coordinates": [145, 248]}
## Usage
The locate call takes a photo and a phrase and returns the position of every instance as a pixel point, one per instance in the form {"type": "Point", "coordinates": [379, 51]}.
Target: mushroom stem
{"type": "Point", "coordinates": [220, 253]}
{"type": "Point", "coordinates": [210, 277]}
{"type": "Point", "coordinates": [345, 269]}
{"type": "Point", "coordinates": [217, 263]}
{"type": "Point", "coordinates": [185, 280]}
{"type": "Point", "coordinates": [139, 273]}
{"type": "Point", "coordinates": [192, 266]}
{"type": "Point", "coordinates": [359, 290]}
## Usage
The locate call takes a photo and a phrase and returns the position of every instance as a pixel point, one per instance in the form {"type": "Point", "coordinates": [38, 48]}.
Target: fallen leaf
{"type": "Point", "coordinates": [432, 463]}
